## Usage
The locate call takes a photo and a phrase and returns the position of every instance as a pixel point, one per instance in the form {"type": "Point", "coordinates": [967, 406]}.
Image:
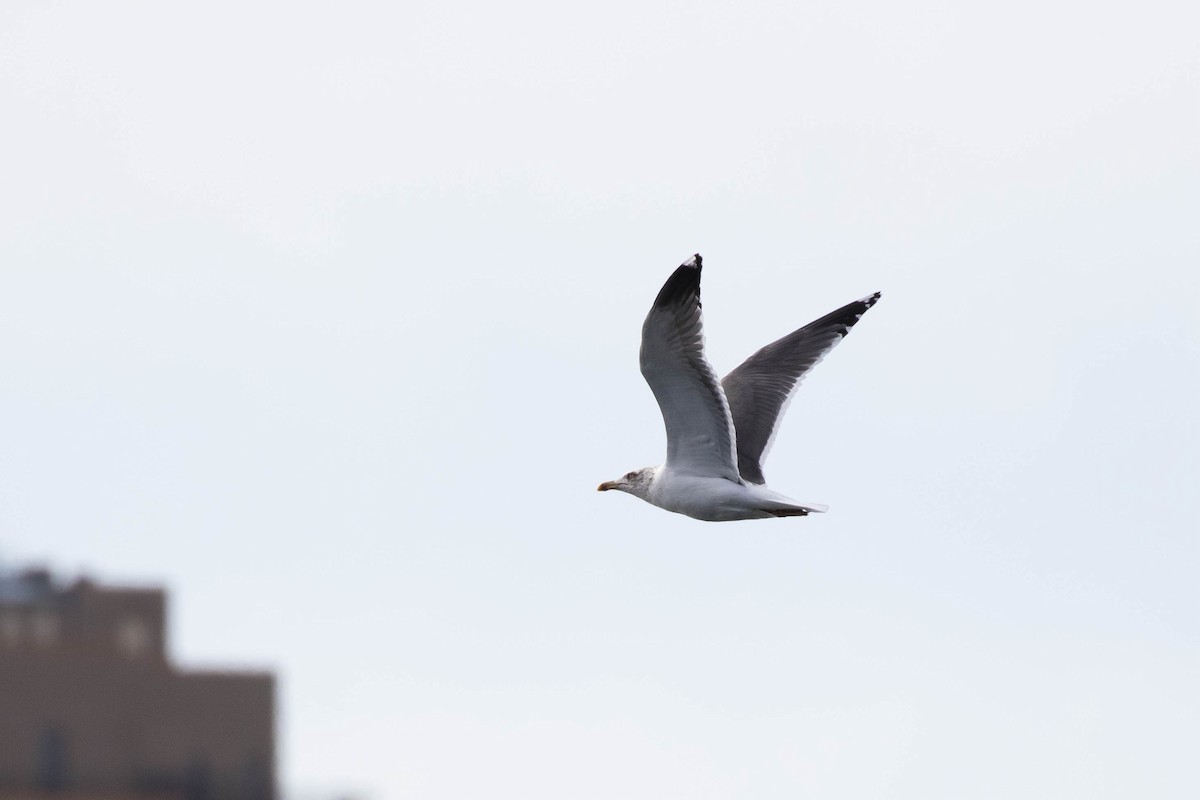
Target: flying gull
{"type": "Point", "coordinates": [719, 432]}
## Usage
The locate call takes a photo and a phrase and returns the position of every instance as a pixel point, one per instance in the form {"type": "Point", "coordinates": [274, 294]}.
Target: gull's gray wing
{"type": "Point", "coordinates": [700, 437]}
{"type": "Point", "coordinates": [760, 389]}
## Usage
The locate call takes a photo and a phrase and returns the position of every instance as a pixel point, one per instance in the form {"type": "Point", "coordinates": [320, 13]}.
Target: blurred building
{"type": "Point", "coordinates": [91, 706]}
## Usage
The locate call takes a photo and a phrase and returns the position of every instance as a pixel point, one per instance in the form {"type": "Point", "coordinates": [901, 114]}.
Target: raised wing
{"type": "Point", "coordinates": [760, 389]}
{"type": "Point", "coordinates": [700, 436]}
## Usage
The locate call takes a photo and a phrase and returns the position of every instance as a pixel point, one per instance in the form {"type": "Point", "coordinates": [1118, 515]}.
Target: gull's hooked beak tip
{"type": "Point", "coordinates": [604, 487]}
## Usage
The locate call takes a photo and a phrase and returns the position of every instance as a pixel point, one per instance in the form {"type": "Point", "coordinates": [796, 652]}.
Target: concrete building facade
{"type": "Point", "coordinates": [92, 707]}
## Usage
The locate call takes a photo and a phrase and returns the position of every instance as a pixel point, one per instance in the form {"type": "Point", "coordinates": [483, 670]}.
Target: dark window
{"type": "Point", "coordinates": [197, 780]}
{"type": "Point", "coordinates": [53, 760]}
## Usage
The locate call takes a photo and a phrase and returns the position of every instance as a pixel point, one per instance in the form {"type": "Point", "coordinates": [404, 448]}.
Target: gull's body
{"type": "Point", "coordinates": [719, 499]}
{"type": "Point", "coordinates": [719, 432]}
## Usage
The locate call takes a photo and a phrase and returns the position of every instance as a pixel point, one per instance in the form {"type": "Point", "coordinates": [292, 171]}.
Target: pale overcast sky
{"type": "Point", "coordinates": [326, 316]}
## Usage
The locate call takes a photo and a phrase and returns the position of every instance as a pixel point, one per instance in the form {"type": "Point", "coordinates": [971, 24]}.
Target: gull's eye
{"type": "Point", "coordinates": [630, 476]}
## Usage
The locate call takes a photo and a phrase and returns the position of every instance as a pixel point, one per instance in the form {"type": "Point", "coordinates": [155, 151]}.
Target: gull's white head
{"type": "Point", "coordinates": [636, 483]}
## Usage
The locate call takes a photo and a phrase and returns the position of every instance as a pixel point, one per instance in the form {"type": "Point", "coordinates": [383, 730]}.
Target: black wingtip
{"type": "Point", "coordinates": [862, 306]}
{"type": "Point", "coordinates": [683, 285]}
{"type": "Point", "coordinates": [843, 319]}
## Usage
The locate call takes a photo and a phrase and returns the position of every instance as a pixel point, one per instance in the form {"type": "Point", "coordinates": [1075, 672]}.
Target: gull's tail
{"type": "Point", "coordinates": [797, 511]}
{"type": "Point", "coordinates": [778, 505]}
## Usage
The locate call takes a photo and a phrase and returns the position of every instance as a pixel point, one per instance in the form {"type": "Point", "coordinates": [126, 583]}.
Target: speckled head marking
{"type": "Point", "coordinates": [636, 483]}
